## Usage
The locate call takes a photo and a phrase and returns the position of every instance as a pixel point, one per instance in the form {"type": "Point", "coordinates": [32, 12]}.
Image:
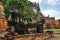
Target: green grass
{"type": "Point", "coordinates": [54, 30]}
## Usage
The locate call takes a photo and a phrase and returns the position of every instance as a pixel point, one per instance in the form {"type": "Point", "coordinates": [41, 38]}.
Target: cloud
{"type": "Point", "coordinates": [52, 13]}
{"type": "Point", "coordinates": [36, 1]}
{"type": "Point", "coordinates": [52, 2]}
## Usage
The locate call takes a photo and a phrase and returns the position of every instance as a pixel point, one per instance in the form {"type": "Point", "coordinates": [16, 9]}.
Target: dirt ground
{"type": "Point", "coordinates": [56, 37]}
{"type": "Point", "coordinates": [41, 37]}
{"type": "Point", "coordinates": [33, 37]}
{"type": "Point", "coordinates": [36, 37]}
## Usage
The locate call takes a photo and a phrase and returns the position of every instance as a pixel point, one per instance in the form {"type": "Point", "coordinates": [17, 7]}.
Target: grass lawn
{"type": "Point", "coordinates": [54, 30]}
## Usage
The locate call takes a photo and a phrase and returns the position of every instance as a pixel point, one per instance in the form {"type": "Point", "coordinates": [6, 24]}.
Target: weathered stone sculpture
{"type": "Point", "coordinates": [3, 21]}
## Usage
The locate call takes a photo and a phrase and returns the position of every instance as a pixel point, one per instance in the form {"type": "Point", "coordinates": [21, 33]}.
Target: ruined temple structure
{"type": "Point", "coordinates": [42, 20]}
{"type": "Point", "coordinates": [51, 23]}
{"type": "Point", "coordinates": [16, 24]}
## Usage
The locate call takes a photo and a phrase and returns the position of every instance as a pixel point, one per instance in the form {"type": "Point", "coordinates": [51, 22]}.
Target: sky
{"type": "Point", "coordinates": [49, 7]}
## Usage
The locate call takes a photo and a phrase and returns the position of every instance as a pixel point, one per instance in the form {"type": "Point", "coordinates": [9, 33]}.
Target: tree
{"type": "Point", "coordinates": [23, 6]}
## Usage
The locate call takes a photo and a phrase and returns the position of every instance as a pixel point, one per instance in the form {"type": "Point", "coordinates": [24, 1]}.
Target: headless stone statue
{"type": "Point", "coordinates": [3, 21]}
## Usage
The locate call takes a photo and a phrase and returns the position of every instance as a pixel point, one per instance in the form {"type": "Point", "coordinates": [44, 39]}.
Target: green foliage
{"type": "Point", "coordinates": [23, 6]}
